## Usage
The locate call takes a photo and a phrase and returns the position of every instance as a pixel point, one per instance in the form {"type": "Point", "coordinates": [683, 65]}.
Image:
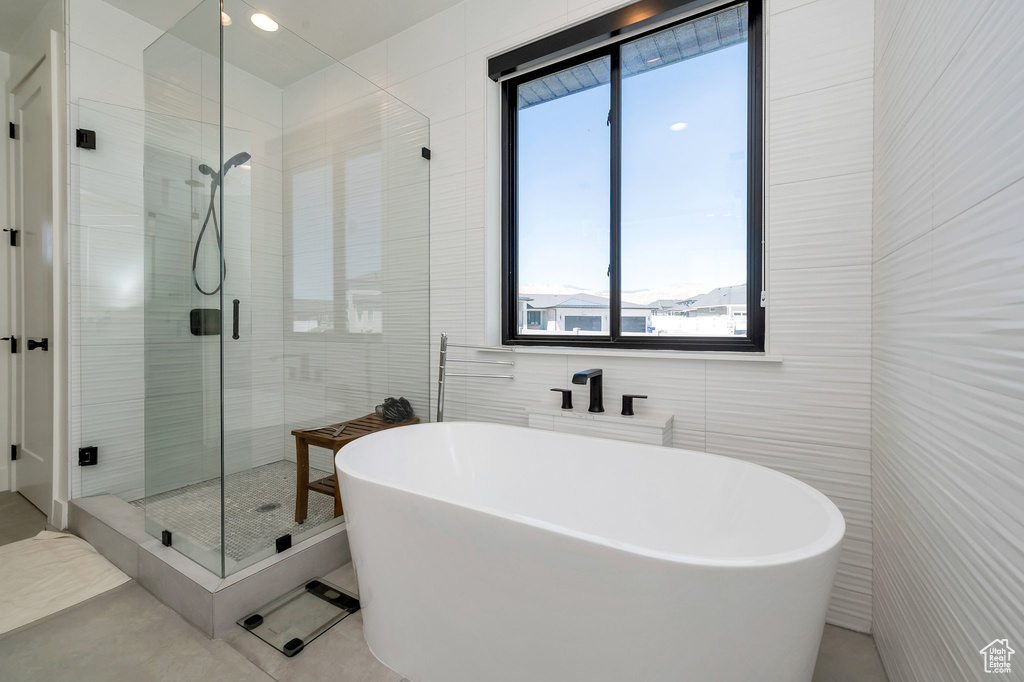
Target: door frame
{"type": "Point", "coordinates": [6, 273]}
{"type": "Point", "coordinates": [51, 58]}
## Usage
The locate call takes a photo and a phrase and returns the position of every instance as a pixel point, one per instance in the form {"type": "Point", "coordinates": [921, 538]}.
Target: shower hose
{"type": "Point", "coordinates": [211, 214]}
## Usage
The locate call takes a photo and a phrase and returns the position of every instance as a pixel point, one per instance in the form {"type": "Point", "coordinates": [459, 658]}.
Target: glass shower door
{"type": "Point", "coordinates": [183, 330]}
{"type": "Point", "coordinates": [242, 495]}
{"type": "Point", "coordinates": [197, 289]}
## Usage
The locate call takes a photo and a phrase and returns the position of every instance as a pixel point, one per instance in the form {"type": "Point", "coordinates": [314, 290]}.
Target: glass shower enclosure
{"type": "Point", "coordinates": [286, 280]}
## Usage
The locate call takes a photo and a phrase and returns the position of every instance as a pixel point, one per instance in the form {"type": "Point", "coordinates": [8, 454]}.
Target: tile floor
{"type": "Point", "coordinates": [127, 634]}
{"type": "Point", "coordinates": [124, 634]}
{"type": "Point", "coordinates": [848, 656]}
{"type": "Point", "coordinates": [19, 519]}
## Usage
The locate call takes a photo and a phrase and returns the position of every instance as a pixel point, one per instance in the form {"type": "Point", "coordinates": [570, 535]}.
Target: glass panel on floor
{"type": "Point", "coordinates": [292, 621]}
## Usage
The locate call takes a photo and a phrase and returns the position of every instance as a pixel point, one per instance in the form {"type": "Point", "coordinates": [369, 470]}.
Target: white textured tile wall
{"type": "Point", "coordinates": [809, 415]}
{"type": "Point", "coordinates": [948, 336]}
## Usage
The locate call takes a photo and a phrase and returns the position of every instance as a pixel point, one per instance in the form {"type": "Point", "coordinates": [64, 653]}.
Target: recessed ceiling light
{"type": "Point", "coordinates": [225, 19]}
{"type": "Point", "coordinates": [651, 61]}
{"type": "Point", "coordinates": [263, 22]}
{"type": "Point", "coordinates": [677, 126]}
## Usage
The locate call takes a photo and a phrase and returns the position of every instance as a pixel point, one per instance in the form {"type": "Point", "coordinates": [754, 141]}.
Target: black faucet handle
{"type": "Point", "coordinates": [566, 397]}
{"type": "Point", "coordinates": [627, 403]}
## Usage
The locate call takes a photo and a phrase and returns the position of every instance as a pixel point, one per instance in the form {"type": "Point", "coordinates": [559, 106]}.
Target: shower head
{"type": "Point", "coordinates": [236, 160]}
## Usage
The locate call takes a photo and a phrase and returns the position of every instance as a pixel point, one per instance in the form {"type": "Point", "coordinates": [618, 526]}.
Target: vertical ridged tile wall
{"type": "Point", "coordinates": [808, 416]}
{"type": "Point", "coordinates": [948, 336]}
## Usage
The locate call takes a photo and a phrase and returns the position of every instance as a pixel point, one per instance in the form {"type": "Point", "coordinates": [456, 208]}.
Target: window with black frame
{"type": "Point", "coordinates": [632, 189]}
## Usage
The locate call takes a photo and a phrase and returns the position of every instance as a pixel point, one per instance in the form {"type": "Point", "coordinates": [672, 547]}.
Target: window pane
{"type": "Point", "coordinates": [684, 179]}
{"type": "Point", "coordinates": [563, 157]}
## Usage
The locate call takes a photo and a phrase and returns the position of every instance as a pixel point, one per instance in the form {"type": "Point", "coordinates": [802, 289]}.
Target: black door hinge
{"type": "Point", "coordinates": [13, 130]}
{"type": "Point", "coordinates": [85, 139]}
{"type": "Point", "coordinates": [284, 542]}
{"type": "Point", "coordinates": [425, 153]}
{"type": "Point", "coordinates": [166, 537]}
{"type": "Point", "coordinates": [88, 456]}
{"type": "Point", "coordinates": [14, 235]}
{"type": "Point", "coordinates": [14, 342]}
{"type": "Point", "coordinates": [14, 452]}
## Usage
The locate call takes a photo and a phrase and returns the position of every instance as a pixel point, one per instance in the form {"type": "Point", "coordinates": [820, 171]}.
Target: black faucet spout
{"type": "Point", "coordinates": [596, 378]}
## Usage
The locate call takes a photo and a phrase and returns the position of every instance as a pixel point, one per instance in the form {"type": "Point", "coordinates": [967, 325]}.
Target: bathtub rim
{"type": "Point", "coordinates": [828, 541]}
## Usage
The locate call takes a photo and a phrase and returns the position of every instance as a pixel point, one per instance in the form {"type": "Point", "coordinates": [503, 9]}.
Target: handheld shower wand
{"type": "Point", "coordinates": [215, 181]}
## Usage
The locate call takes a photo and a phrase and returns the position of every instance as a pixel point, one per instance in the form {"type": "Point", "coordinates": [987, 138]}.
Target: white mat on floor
{"type": "Point", "coordinates": [50, 572]}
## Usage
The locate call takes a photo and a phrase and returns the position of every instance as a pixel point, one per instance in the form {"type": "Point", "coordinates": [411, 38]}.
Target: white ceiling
{"type": "Point", "coordinates": [340, 28]}
{"type": "Point", "coordinates": [15, 16]}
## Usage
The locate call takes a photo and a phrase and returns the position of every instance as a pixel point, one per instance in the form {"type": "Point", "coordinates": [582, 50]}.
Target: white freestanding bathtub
{"type": "Point", "coordinates": [490, 553]}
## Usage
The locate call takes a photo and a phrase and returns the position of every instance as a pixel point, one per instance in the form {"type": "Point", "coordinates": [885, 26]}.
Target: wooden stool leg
{"type": "Point", "coordinates": [301, 478]}
{"type": "Point", "coordinates": [338, 508]}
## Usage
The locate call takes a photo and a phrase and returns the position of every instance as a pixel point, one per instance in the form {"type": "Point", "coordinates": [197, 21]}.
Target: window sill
{"type": "Point", "coordinates": [633, 353]}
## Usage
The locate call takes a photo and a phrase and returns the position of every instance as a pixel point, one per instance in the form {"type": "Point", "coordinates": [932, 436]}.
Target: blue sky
{"type": "Point", "coordinates": [684, 191]}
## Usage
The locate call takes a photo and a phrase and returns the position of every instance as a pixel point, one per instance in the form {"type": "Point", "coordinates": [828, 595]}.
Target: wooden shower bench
{"type": "Point", "coordinates": [324, 437]}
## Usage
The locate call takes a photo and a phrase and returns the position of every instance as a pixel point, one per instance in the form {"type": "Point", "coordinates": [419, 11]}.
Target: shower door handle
{"type": "Point", "coordinates": [234, 320]}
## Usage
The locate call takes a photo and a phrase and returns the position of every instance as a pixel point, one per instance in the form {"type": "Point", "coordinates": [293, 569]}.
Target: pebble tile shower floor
{"type": "Point", "coordinates": [251, 520]}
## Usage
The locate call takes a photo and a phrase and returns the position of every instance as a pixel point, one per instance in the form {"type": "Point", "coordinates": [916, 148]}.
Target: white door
{"type": "Point", "coordinates": [32, 195]}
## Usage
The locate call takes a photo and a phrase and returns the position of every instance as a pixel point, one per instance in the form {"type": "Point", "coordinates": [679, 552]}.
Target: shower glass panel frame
{"type": "Point", "coordinates": [286, 275]}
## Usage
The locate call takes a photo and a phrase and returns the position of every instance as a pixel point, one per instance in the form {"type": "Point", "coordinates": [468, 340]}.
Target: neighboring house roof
{"type": "Point", "coordinates": [669, 303]}
{"type": "Point", "coordinates": [545, 301]}
{"type": "Point", "coordinates": [732, 295]}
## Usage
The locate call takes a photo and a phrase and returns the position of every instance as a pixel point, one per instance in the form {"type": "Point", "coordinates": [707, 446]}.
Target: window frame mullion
{"type": "Point", "coordinates": [615, 201]}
